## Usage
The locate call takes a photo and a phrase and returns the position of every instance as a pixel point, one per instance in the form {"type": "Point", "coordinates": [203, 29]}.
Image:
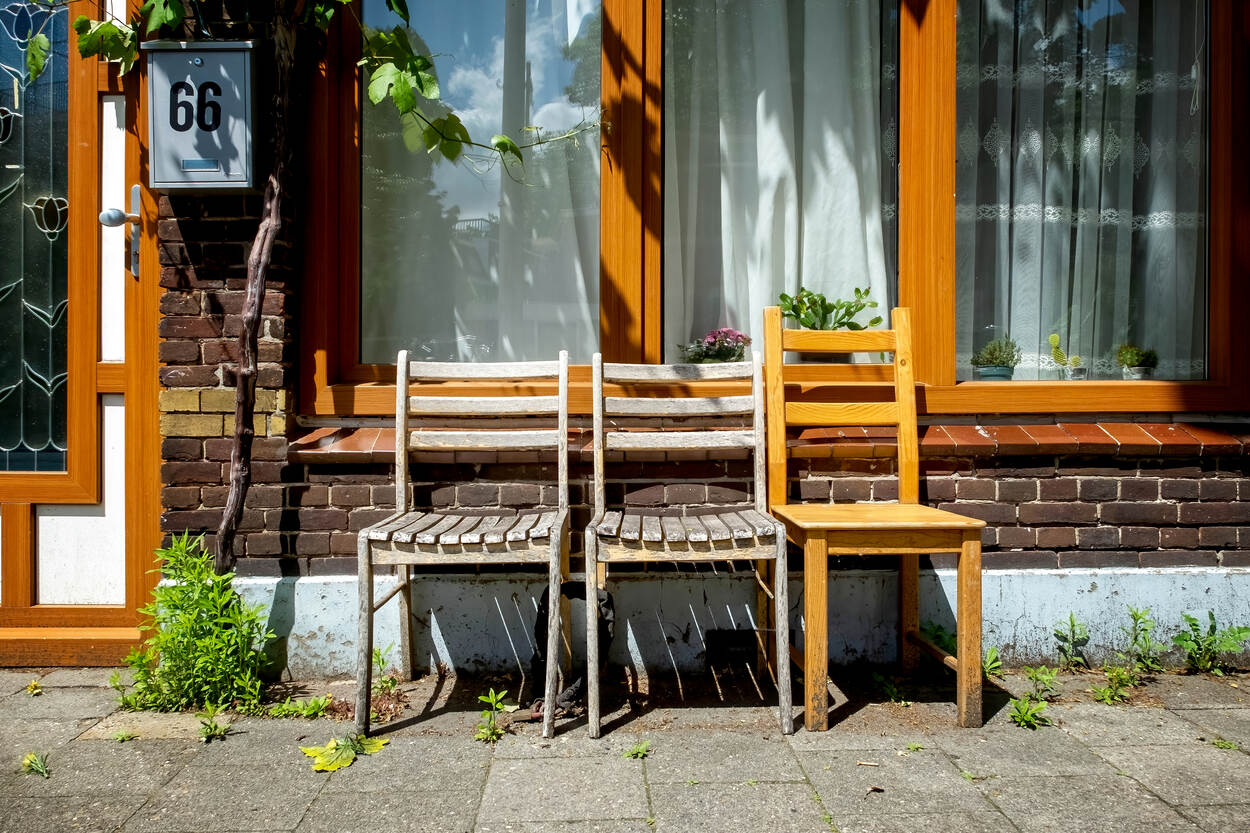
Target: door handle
{"type": "Point", "coordinates": [113, 217]}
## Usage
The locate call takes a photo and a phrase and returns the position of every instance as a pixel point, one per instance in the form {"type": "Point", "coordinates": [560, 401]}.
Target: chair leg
{"type": "Point", "coordinates": [554, 597]}
{"type": "Point", "coordinates": [405, 622]}
{"type": "Point", "coordinates": [968, 631]}
{"type": "Point", "coordinates": [815, 637]}
{"type": "Point", "coordinates": [781, 623]}
{"type": "Point", "coordinates": [908, 610]}
{"type": "Point", "coordinates": [592, 634]}
{"type": "Point", "coordinates": [364, 635]}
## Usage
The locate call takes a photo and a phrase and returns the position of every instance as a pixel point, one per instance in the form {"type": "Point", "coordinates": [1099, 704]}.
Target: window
{"type": "Point", "coordinates": [710, 201]}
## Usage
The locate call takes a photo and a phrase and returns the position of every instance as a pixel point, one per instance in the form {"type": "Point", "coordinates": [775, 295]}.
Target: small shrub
{"type": "Point", "coordinates": [1001, 352]}
{"type": "Point", "coordinates": [1203, 649]}
{"type": "Point", "coordinates": [1072, 636]}
{"type": "Point", "coordinates": [205, 643]}
{"type": "Point", "coordinates": [1028, 713]}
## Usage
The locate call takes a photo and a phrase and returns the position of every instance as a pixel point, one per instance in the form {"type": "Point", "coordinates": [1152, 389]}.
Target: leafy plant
{"type": "Point", "coordinates": [383, 683]}
{"type": "Point", "coordinates": [1220, 743]}
{"type": "Point", "coordinates": [890, 688]}
{"type": "Point", "coordinates": [1072, 636]}
{"type": "Point", "coordinates": [1028, 713]}
{"type": "Point", "coordinates": [1061, 358]}
{"type": "Point", "coordinates": [939, 636]}
{"type": "Point", "coordinates": [992, 666]}
{"type": "Point", "coordinates": [36, 763]}
{"type": "Point", "coordinates": [1115, 691]}
{"type": "Point", "coordinates": [311, 708]}
{"type": "Point", "coordinates": [489, 730]}
{"type": "Point", "coordinates": [812, 311]}
{"type": "Point", "coordinates": [639, 750]}
{"type": "Point", "coordinates": [1203, 649]}
{"type": "Point", "coordinates": [341, 752]}
{"type": "Point", "coordinates": [1142, 656]}
{"type": "Point", "coordinates": [210, 729]}
{"type": "Point", "coordinates": [205, 644]}
{"type": "Point", "coordinates": [1001, 352]}
{"type": "Point", "coordinates": [1130, 355]}
{"type": "Point", "coordinates": [34, 688]}
{"type": "Point", "coordinates": [914, 747]}
{"type": "Point", "coordinates": [723, 345]}
{"type": "Point", "coordinates": [1043, 680]}
{"type": "Point", "coordinates": [123, 736]}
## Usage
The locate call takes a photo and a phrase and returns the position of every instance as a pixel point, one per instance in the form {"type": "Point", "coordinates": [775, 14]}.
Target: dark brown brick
{"type": "Point", "coordinates": [974, 489]}
{"type": "Point", "coordinates": [1181, 537]}
{"type": "Point", "coordinates": [1086, 559]}
{"type": "Point", "coordinates": [813, 490]}
{"type": "Point", "coordinates": [358, 519]}
{"type": "Point", "coordinates": [728, 494]}
{"type": "Point", "coordinates": [937, 489]}
{"type": "Point", "coordinates": [1099, 488]}
{"type": "Point", "coordinates": [1017, 491]}
{"type": "Point", "coordinates": [350, 495]}
{"type": "Point", "coordinates": [187, 326]}
{"type": "Point", "coordinates": [1215, 513]}
{"type": "Point", "coordinates": [1024, 560]}
{"type": "Point", "coordinates": [322, 519]}
{"type": "Point", "coordinates": [1217, 536]}
{"type": "Point", "coordinates": [180, 497]}
{"type": "Point", "coordinates": [1016, 537]}
{"type": "Point", "coordinates": [477, 494]}
{"type": "Point", "coordinates": [885, 489]}
{"type": "Point", "coordinates": [342, 543]}
{"type": "Point", "coordinates": [993, 513]}
{"type": "Point", "coordinates": [1057, 513]}
{"type": "Point", "coordinates": [1098, 537]}
{"type": "Point", "coordinates": [180, 303]}
{"type": "Point", "coordinates": [174, 352]}
{"type": "Point", "coordinates": [685, 493]}
{"type": "Point", "coordinates": [1059, 488]}
{"type": "Point", "coordinates": [1177, 489]}
{"type": "Point", "coordinates": [1139, 537]}
{"type": "Point", "coordinates": [1056, 537]}
{"type": "Point", "coordinates": [193, 520]}
{"type": "Point", "coordinates": [312, 543]}
{"type": "Point", "coordinates": [188, 377]}
{"type": "Point", "coordinates": [214, 497]}
{"type": "Point", "coordinates": [1179, 558]}
{"type": "Point", "coordinates": [178, 473]}
{"type": "Point", "coordinates": [265, 496]}
{"type": "Point", "coordinates": [1139, 489]}
{"type": "Point", "coordinates": [308, 494]}
{"type": "Point", "coordinates": [1137, 513]}
{"type": "Point", "coordinates": [264, 543]}
{"type": "Point", "coordinates": [1235, 558]}
{"type": "Point", "coordinates": [178, 449]}
{"type": "Point", "coordinates": [1211, 488]}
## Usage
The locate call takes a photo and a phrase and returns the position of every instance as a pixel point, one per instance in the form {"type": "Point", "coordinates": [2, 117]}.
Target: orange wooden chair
{"type": "Point", "coordinates": [905, 528]}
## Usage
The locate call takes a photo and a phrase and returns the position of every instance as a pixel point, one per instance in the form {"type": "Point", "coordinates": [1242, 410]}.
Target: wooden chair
{"type": "Point", "coordinates": [695, 533]}
{"type": "Point", "coordinates": [905, 528]}
{"type": "Point", "coordinates": [413, 537]}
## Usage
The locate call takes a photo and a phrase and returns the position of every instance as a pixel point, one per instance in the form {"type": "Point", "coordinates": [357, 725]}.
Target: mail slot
{"type": "Point", "coordinates": [200, 112]}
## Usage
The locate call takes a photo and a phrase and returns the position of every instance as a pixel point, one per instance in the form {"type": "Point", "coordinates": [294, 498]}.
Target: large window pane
{"type": "Point", "coordinates": [33, 215]}
{"type": "Point", "coordinates": [466, 261]}
{"type": "Point", "coordinates": [1082, 182]}
{"type": "Point", "coordinates": [780, 157]}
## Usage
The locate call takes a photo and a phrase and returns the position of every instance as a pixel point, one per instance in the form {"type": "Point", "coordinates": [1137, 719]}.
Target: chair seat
{"type": "Point", "coordinates": [872, 516]}
{"type": "Point", "coordinates": [460, 529]}
{"type": "Point", "coordinates": [709, 524]}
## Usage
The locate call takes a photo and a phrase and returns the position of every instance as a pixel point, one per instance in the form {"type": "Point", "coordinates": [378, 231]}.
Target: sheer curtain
{"type": "Point", "coordinates": [465, 261]}
{"type": "Point", "coordinates": [780, 123]}
{"type": "Point", "coordinates": [1081, 181]}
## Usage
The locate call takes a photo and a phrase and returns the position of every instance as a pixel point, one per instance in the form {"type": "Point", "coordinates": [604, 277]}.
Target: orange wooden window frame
{"type": "Point", "coordinates": [334, 383]}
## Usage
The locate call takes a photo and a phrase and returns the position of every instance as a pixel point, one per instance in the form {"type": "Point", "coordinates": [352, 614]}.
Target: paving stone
{"type": "Point", "coordinates": [1222, 818]}
{"type": "Point", "coordinates": [430, 811]}
{"type": "Point", "coordinates": [1196, 773]}
{"type": "Point", "coordinates": [59, 704]}
{"type": "Point", "coordinates": [1098, 724]}
{"type": "Point", "coordinates": [990, 821]}
{"type": "Point", "coordinates": [83, 677]}
{"type": "Point", "coordinates": [1083, 804]}
{"type": "Point", "coordinates": [1019, 752]}
{"type": "Point", "coordinates": [150, 726]}
{"type": "Point", "coordinates": [12, 682]}
{"type": "Point", "coordinates": [571, 743]}
{"type": "Point", "coordinates": [1230, 724]}
{"type": "Point", "coordinates": [101, 814]}
{"type": "Point", "coordinates": [920, 782]}
{"type": "Point", "coordinates": [1183, 691]}
{"type": "Point", "coordinates": [721, 757]}
{"type": "Point", "coordinates": [432, 762]}
{"type": "Point", "coordinates": [40, 734]}
{"type": "Point", "coordinates": [259, 741]}
{"type": "Point", "coordinates": [727, 718]}
{"type": "Point", "coordinates": [564, 789]}
{"type": "Point", "coordinates": [596, 826]}
{"type": "Point", "coordinates": [229, 798]}
{"type": "Point", "coordinates": [87, 767]}
{"type": "Point", "coordinates": [777, 808]}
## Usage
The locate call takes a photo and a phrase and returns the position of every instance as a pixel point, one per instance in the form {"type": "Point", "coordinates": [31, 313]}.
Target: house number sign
{"type": "Point", "coordinates": [199, 115]}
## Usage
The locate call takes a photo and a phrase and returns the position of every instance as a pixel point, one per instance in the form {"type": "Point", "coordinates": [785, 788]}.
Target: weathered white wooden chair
{"type": "Point", "coordinates": [418, 536]}
{"type": "Point", "coordinates": [652, 419]}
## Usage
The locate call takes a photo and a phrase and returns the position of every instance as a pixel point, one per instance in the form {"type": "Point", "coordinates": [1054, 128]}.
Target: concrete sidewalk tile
{"type": "Point", "coordinates": [83, 677]}
{"type": "Point", "coordinates": [1230, 724]}
{"type": "Point", "coordinates": [1098, 724]}
{"type": "Point", "coordinates": [574, 743]}
{"type": "Point", "coordinates": [920, 782]}
{"type": "Point", "coordinates": [40, 734]}
{"type": "Point", "coordinates": [430, 811]}
{"type": "Point", "coordinates": [11, 682]}
{"type": "Point", "coordinates": [1196, 773]}
{"type": "Point", "coordinates": [229, 798]}
{"type": "Point", "coordinates": [1083, 804]}
{"type": "Point", "coordinates": [1219, 818]}
{"type": "Point", "coordinates": [88, 767]}
{"type": "Point", "coordinates": [149, 726]}
{"type": "Point", "coordinates": [777, 808]}
{"type": "Point", "coordinates": [1177, 691]}
{"type": "Point", "coordinates": [722, 757]}
{"type": "Point", "coordinates": [990, 821]}
{"type": "Point", "coordinates": [564, 789]}
{"type": "Point", "coordinates": [259, 741]}
{"type": "Point", "coordinates": [59, 704]}
{"type": "Point", "coordinates": [76, 813]}
{"type": "Point", "coordinates": [408, 763]}
{"type": "Point", "coordinates": [1019, 752]}
{"type": "Point", "coordinates": [599, 826]}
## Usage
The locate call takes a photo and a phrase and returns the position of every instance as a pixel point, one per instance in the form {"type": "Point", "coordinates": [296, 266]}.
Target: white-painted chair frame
{"type": "Point", "coordinates": [718, 533]}
{"type": "Point", "coordinates": [412, 537]}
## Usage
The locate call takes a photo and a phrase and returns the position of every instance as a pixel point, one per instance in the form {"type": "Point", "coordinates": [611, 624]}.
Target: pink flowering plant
{"type": "Point", "coordinates": [723, 345]}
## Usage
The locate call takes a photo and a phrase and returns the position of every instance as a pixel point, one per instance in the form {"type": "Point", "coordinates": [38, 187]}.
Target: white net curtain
{"type": "Point", "coordinates": [1082, 181]}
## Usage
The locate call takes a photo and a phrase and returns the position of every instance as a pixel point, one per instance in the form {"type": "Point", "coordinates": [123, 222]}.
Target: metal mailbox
{"type": "Point", "coordinates": [200, 115]}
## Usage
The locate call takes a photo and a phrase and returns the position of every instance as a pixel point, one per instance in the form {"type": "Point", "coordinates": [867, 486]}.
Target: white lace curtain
{"type": "Point", "coordinates": [1082, 181]}
{"type": "Point", "coordinates": [780, 151]}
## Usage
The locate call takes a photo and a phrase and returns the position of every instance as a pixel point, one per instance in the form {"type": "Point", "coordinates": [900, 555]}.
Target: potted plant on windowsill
{"type": "Point", "coordinates": [1070, 365]}
{"type": "Point", "coordinates": [997, 359]}
{"type": "Point", "coordinates": [812, 311]}
{"type": "Point", "coordinates": [1138, 363]}
{"type": "Point", "coordinates": [718, 346]}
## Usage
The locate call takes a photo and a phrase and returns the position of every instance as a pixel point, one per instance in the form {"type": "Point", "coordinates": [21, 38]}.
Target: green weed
{"type": "Point", "coordinates": [210, 729]}
{"type": "Point", "coordinates": [1028, 713]}
{"type": "Point", "coordinates": [1072, 636]}
{"type": "Point", "coordinates": [1043, 680]}
{"type": "Point", "coordinates": [34, 688]}
{"type": "Point", "coordinates": [890, 689]}
{"type": "Point", "coordinates": [383, 683]}
{"type": "Point", "coordinates": [992, 666]}
{"type": "Point", "coordinates": [123, 736]}
{"type": "Point", "coordinates": [311, 708]}
{"type": "Point", "coordinates": [1142, 656]}
{"type": "Point", "coordinates": [1203, 649]}
{"type": "Point", "coordinates": [939, 636]}
{"type": "Point", "coordinates": [1115, 691]}
{"type": "Point", "coordinates": [1220, 743]}
{"type": "Point", "coordinates": [914, 747]}
{"type": "Point", "coordinates": [489, 730]}
{"type": "Point", "coordinates": [36, 763]}
{"type": "Point", "coordinates": [639, 750]}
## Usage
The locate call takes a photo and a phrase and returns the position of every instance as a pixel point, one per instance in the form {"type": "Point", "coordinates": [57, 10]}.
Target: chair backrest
{"type": "Point", "coordinates": [503, 421]}
{"type": "Point", "coordinates": [900, 412]}
{"type": "Point", "coordinates": [652, 419]}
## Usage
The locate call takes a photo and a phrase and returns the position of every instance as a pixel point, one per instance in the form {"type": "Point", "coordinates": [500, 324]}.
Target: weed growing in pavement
{"type": "Point", "coordinates": [1220, 743]}
{"type": "Point", "coordinates": [489, 730]}
{"type": "Point", "coordinates": [1142, 656]}
{"type": "Point", "coordinates": [890, 689]}
{"type": "Point", "coordinates": [1115, 691]}
{"type": "Point", "coordinates": [1043, 680]}
{"type": "Point", "coordinates": [1203, 649]}
{"type": "Point", "coordinates": [34, 688]}
{"type": "Point", "coordinates": [210, 729]}
{"type": "Point", "coordinates": [992, 666]}
{"type": "Point", "coordinates": [914, 747]}
{"type": "Point", "coordinates": [639, 750]}
{"type": "Point", "coordinates": [1028, 713]}
{"type": "Point", "coordinates": [383, 683]}
{"type": "Point", "coordinates": [311, 708]}
{"type": "Point", "coordinates": [123, 736]}
{"type": "Point", "coordinates": [1072, 636]}
{"type": "Point", "coordinates": [36, 763]}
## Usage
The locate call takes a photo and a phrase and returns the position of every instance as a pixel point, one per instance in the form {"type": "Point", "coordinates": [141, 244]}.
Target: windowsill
{"type": "Point", "coordinates": [1129, 439]}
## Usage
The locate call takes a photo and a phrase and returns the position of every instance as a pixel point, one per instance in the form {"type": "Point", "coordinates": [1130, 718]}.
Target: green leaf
{"type": "Point", "coordinates": [371, 746]}
{"type": "Point", "coordinates": [399, 7]}
{"type": "Point", "coordinates": [334, 755]}
{"type": "Point", "coordinates": [36, 56]}
{"type": "Point", "coordinates": [160, 13]}
{"type": "Point", "coordinates": [506, 147]}
{"type": "Point", "coordinates": [380, 81]}
{"type": "Point", "coordinates": [108, 40]}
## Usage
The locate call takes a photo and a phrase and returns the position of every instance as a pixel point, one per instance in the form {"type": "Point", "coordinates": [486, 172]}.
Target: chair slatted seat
{"type": "Point", "coordinates": [656, 419]}
{"type": "Point", "coordinates": [413, 537]}
{"type": "Point", "coordinates": [905, 528]}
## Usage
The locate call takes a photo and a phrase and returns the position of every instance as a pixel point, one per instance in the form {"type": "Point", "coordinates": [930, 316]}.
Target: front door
{"type": "Point", "coordinates": [79, 432]}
